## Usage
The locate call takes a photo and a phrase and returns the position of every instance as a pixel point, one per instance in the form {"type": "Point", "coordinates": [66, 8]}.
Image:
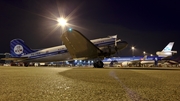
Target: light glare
{"type": "Point", "coordinates": [132, 47]}
{"type": "Point", "coordinates": [62, 21]}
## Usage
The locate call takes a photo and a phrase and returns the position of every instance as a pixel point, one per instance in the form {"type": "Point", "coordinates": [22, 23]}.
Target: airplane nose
{"type": "Point", "coordinates": [122, 44]}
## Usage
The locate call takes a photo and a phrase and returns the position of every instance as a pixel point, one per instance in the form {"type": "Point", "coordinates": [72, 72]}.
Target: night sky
{"type": "Point", "coordinates": [149, 25]}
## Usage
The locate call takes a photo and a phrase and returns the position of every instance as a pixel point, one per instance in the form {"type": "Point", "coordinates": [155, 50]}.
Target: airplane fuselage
{"type": "Point", "coordinates": [60, 53]}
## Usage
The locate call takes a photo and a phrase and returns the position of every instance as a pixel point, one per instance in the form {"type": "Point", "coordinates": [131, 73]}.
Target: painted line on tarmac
{"type": "Point", "coordinates": [131, 94]}
{"type": "Point", "coordinates": [64, 69]}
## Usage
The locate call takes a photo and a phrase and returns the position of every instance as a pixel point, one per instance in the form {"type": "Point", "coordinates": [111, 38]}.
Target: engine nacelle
{"type": "Point", "coordinates": [108, 51]}
{"type": "Point", "coordinates": [126, 63]}
{"type": "Point", "coordinates": [121, 45]}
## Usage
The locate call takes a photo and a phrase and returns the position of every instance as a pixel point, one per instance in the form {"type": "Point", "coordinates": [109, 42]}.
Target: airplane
{"type": "Point", "coordinates": [124, 61]}
{"type": "Point", "coordinates": [166, 53]}
{"type": "Point", "coordinates": [175, 61]}
{"type": "Point", "coordinates": [76, 47]}
{"type": "Point", "coordinates": [135, 60]}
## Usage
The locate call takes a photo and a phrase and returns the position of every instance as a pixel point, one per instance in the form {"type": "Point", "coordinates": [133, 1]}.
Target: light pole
{"type": "Point", "coordinates": [62, 22]}
{"type": "Point", "coordinates": [132, 50]}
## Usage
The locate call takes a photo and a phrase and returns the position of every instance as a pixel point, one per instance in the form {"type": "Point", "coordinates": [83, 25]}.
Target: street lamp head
{"type": "Point", "coordinates": [144, 52]}
{"type": "Point", "coordinates": [132, 48]}
{"type": "Point", "coordinates": [62, 22]}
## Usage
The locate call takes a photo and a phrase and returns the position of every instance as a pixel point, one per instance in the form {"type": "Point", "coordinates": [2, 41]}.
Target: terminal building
{"type": "Point", "coordinates": [2, 61]}
{"type": "Point", "coordinates": [4, 55]}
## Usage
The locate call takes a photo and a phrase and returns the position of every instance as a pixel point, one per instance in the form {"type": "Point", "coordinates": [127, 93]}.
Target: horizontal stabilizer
{"type": "Point", "coordinates": [79, 46]}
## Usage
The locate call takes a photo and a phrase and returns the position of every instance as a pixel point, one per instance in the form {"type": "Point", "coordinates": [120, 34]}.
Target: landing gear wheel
{"type": "Point", "coordinates": [98, 64]}
{"type": "Point", "coordinates": [26, 64]}
{"type": "Point", "coordinates": [95, 65]}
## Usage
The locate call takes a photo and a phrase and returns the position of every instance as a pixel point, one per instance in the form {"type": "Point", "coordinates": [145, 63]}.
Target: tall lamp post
{"type": "Point", "coordinates": [132, 50]}
{"type": "Point", "coordinates": [62, 22]}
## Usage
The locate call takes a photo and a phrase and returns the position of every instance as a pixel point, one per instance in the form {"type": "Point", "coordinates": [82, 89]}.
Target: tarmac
{"type": "Point", "coordinates": [89, 84]}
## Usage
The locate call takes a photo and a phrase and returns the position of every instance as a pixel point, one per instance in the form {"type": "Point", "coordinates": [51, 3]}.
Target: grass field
{"type": "Point", "coordinates": [146, 84]}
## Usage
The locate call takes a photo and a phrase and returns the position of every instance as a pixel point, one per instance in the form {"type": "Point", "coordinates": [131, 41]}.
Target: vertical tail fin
{"type": "Point", "coordinates": [19, 48]}
{"type": "Point", "coordinates": [168, 47]}
{"type": "Point", "coordinates": [144, 58]}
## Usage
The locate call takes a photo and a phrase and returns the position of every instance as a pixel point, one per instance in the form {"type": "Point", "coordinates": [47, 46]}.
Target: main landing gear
{"type": "Point", "coordinates": [98, 64]}
{"type": "Point", "coordinates": [26, 64]}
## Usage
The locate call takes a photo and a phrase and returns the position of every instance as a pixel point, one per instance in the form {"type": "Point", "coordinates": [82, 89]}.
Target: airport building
{"type": "Point", "coordinates": [2, 61]}
{"type": "Point", "coordinates": [4, 55]}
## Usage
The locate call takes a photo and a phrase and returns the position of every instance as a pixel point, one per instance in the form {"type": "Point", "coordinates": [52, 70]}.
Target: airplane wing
{"type": "Point", "coordinates": [79, 46]}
